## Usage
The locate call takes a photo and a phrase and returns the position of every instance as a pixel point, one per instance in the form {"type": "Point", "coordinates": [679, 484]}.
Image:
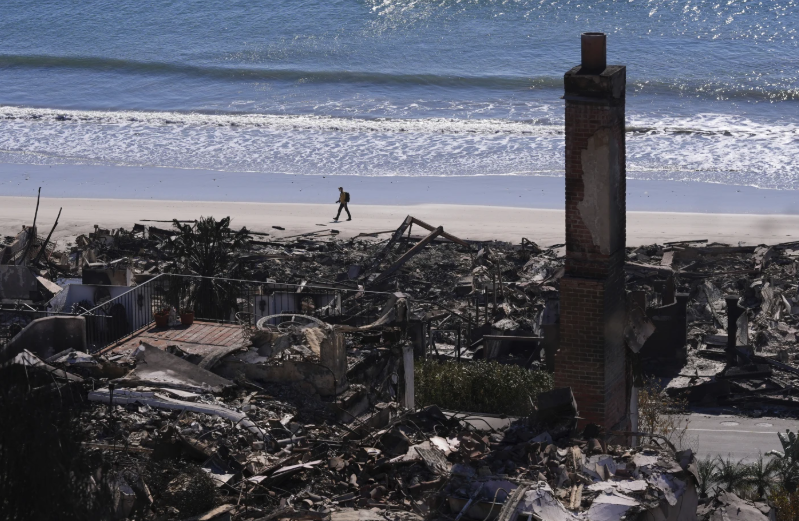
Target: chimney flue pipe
{"type": "Point", "coordinates": [593, 52]}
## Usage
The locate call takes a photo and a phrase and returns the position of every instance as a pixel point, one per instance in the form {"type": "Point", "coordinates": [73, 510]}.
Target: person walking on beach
{"type": "Point", "coordinates": [343, 199]}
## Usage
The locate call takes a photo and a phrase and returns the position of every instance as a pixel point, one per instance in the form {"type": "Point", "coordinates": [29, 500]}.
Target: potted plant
{"type": "Point", "coordinates": [187, 317]}
{"type": "Point", "coordinates": [162, 318]}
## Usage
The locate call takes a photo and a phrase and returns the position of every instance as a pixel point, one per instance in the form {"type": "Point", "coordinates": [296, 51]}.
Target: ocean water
{"type": "Point", "coordinates": [396, 87]}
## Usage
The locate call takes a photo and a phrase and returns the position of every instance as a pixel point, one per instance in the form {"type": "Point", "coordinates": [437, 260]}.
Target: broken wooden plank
{"type": "Point", "coordinates": [762, 257]}
{"type": "Point", "coordinates": [660, 270]}
{"type": "Point", "coordinates": [434, 459]}
{"type": "Point", "coordinates": [118, 447]}
{"type": "Point", "coordinates": [378, 258]}
{"type": "Point", "coordinates": [779, 365]}
{"type": "Point", "coordinates": [44, 246]}
{"type": "Point", "coordinates": [409, 254]}
{"type": "Point", "coordinates": [32, 236]}
{"type": "Point", "coordinates": [169, 221]}
{"type": "Point", "coordinates": [698, 241]}
{"type": "Point", "coordinates": [576, 497]}
{"type": "Point", "coordinates": [373, 234]}
{"type": "Point", "coordinates": [428, 227]}
{"type": "Point", "coordinates": [316, 232]}
{"type": "Point", "coordinates": [691, 253]}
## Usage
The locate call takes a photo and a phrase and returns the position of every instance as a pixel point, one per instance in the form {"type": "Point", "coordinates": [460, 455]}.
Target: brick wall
{"type": "Point", "coordinates": [591, 358]}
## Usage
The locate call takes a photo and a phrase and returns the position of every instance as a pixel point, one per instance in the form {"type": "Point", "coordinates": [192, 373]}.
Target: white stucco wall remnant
{"type": "Point", "coordinates": [599, 207]}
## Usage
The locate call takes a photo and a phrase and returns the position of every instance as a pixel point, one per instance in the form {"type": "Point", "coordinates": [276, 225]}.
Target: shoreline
{"type": "Point", "coordinates": [504, 208]}
{"type": "Point", "coordinates": [541, 192]}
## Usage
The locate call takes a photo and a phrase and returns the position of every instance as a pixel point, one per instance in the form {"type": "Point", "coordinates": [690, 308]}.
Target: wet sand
{"type": "Point", "coordinates": [171, 184]}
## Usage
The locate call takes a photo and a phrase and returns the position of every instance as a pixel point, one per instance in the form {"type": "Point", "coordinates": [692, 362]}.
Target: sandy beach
{"type": "Point", "coordinates": [474, 207]}
{"type": "Point", "coordinates": [544, 226]}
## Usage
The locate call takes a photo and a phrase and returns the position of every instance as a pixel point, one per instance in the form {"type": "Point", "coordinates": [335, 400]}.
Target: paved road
{"type": "Point", "coordinates": [709, 434]}
{"type": "Point", "coordinates": [739, 437]}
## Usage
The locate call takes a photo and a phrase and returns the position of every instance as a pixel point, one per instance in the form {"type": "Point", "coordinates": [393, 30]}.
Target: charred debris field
{"type": "Point", "coordinates": [204, 372]}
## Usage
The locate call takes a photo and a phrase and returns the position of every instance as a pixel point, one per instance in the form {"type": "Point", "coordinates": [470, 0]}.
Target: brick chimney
{"type": "Point", "coordinates": [591, 356]}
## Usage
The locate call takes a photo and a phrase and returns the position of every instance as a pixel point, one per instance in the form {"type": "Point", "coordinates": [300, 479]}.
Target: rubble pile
{"type": "Point", "coordinates": [467, 294]}
{"type": "Point", "coordinates": [184, 444]}
{"type": "Point", "coordinates": [727, 505]}
{"type": "Point", "coordinates": [740, 306]}
{"type": "Point", "coordinates": [293, 397]}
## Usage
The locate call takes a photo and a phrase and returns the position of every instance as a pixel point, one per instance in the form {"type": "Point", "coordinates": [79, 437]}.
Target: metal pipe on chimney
{"type": "Point", "coordinates": [593, 52]}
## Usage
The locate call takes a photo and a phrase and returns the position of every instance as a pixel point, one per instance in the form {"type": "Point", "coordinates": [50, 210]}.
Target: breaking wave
{"type": "Point", "coordinates": [283, 122]}
{"type": "Point", "coordinates": [718, 125]}
{"type": "Point", "coordinates": [706, 147]}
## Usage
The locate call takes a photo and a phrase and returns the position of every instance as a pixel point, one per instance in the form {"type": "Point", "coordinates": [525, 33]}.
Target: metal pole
{"type": "Point", "coordinates": [36, 215]}
{"type": "Point", "coordinates": [485, 298]}
{"type": "Point", "coordinates": [24, 257]}
{"type": "Point", "coordinates": [494, 283]}
{"type": "Point", "coordinates": [44, 246]}
{"type": "Point", "coordinates": [501, 285]}
{"type": "Point", "coordinates": [111, 399]}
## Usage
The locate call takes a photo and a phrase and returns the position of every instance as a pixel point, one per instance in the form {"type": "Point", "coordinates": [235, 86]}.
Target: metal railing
{"type": "Point", "coordinates": [15, 320]}
{"type": "Point", "coordinates": [219, 300]}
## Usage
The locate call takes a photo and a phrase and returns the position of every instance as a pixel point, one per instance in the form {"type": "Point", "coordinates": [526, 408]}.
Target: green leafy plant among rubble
{"type": "Point", "coordinates": [760, 476]}
{"type": "Point", "coordinates": [479, 386]}
{"type": "Point", "coordinates": [731, 475]}
{"type": "Point", "coordinates": [787, 461]}
{"type": "Point", "coordinates": [785, 496]}
{"type": "Point", "coordinates": [705, 471]}
{"type": "Point", "coordinates": [207, 248]}
{"type": "Point", "coordinates": [754, 481]}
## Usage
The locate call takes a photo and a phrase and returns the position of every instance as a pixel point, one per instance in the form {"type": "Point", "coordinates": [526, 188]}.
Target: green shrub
{"type": "Point", "coordinates": [731, 475]}
{"type": "Point", "coordinates": [479, 386]}
{"type": "Point", "coordinates": [760, 476]}
{"type": "Point", "coordinates": [706, 470]}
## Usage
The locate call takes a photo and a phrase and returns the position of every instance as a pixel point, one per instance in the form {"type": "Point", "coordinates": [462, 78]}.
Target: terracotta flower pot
{"type": "Point", "coordinates": [161, 319]}
{"type": "Point", "coordinates": [187, 318]}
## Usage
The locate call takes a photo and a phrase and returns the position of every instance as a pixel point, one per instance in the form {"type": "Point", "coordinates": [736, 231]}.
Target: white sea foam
{"type": "Point", "coordinates": [281, 122]}
{"type": "Point", "coordinates": [716, 148]}
{"type": "Point", "coordinates": [706, 147]}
